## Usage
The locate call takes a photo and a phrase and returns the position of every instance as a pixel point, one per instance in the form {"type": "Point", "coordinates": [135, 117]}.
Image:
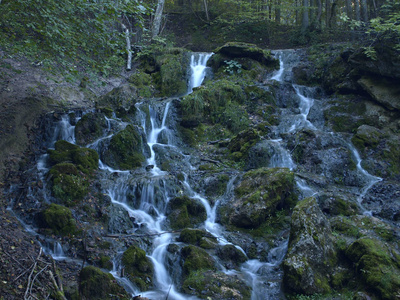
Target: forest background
{"type": "Point", "coordinates": [82, 36]}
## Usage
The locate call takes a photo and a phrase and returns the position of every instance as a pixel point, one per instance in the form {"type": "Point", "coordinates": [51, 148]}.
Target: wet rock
{"type": "Point", "coordinates": [384, 91]}
{"type": "Point", "coordinates": [258, 196]}
{"type": "Point", "coordinates": [119, 220]}
{"type": "Point", "coordinates": [383, 199]}
{"type": "Point", "coordinates": [311, 254]}
{"type": "Point", "coordinates": [138, 267]}
{"type": "Point", "coordinates": [185, 212]}
{"type": "Point", "coordinates": [216, 286]}
{"type": "Point", "coordinates": [89, 128]}
{"type": "Point", "coordinates": [377, 264]}
{"type": "Point", "coordinates": [95, 284]}
{"type": "Point", "coordinates": [125, 149]}
{"type": "Point", "coordinates": [231, 256]}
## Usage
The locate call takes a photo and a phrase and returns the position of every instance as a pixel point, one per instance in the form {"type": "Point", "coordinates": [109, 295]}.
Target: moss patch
{"type": "Point", "coordinates": [95, 284]}
{"type": "Point", "coordinates": [185, 212]}
{"type": "Point", "coordinates": [125, 149]}
{"type": "Point", "coordinates": [138, 267]}
{"type": "Point", "coordinates": [58, 219]}
{"type": "Point", "coordinates": [378, 266]}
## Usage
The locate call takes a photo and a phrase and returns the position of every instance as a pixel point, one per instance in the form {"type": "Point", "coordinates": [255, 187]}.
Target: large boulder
{"type": "Point", "coordinates": [378, 265]}
{"type": "Point", "coordinates": [185, 212]}
{"type": "Point", "coordinates": [125, 150]}
{"type": "Point", "coordinates": [238, 50]}
{"type": "Point", "coordinates": [383, 90]}
{"type": "Point", "coordinates": [259, 195]}
{"type": "Point", "coordinates": [58, 219]}
{"type": "Point", "coordinates": [89, 128]}
{"type": "Point", "coordinates": [138, 267]}
{"type": "Point", "coordinates": [311, 255]}
{"type": "Point", "coordinates": [95, 284]}
{"type": "Point", "coordinates": [216, 285]}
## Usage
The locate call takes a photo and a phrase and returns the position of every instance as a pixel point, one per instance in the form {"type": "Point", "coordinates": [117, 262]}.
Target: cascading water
{"type": "Point", "coordinates": [144, 194]}
{"type": "Point", "coordinates": [198, 66]}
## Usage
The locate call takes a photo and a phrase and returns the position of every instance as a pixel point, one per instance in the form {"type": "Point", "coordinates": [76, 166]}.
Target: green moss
{"type": "Point", "coordinates": [59, 219]}
{"type": "Point", "coordinates": [85, 159]}
{"type": "Point", "coordinates": [197, 237]}
{"type": "Point", "coordinates": [216, 103]}
{"type": "Point", "coordinates": [138, 267]}
{"type": "Point", "coordinates": [243, 141]}
{"type": "Point", "coordinates": [173, 75]}
{"type": "Point", "coordinates": [89, 128]}
{"type": "Point", "coordinates": [95, 284]}
{"type": "Point", "coordinates": [105, 262]}
{"type": "Point", "coordinates": [144, 84]}
{"type": "Point", "coordinates": [377, 264]}
{"type": "Point", "coordinates": [125, 150]}
{"type": "Point", "coordinates": [215, 285]}
{"type": "Point", "coordinates": [185, 212]}
{"type": "Point", "coordinates": [196, 259]}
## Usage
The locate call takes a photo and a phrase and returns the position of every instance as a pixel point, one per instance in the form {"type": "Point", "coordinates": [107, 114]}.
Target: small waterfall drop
{"type": "Point", "coordinates": [198, 66]}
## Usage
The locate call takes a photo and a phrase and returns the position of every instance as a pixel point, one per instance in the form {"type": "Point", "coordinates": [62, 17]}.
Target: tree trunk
{"type": "Point", "coordinates": [306, 22]}
{"type": "Point", "coordinates": [206, 10]}
{"type": "Point", "coordinates": [157, 18]}
{"type": "Point", "coordinates": [278, 11]}
{"type": "Point", "coordinates": [364, 10]}
{"type": "Point", "coordinates": [349, 12]}
{"type": "Point", "coordinates": [327, 13]}
{"type": "Point", "coordinates": [319, 14]}
{"type": "Point", "coordinates": [128, 48]}
{"type": "Point", "coordinates": [357, 9]}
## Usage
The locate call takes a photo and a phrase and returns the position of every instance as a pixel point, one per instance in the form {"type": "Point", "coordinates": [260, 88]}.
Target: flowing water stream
{"type": "Point", "coordinates": [154, 185]}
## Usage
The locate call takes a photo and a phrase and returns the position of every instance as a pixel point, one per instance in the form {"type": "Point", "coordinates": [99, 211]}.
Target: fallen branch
{"type": "Point", "coordinates": [58, 291]}
{"type": "Point", "coordinates": [141, 235]}
{"type": "Point", "coordinates": [30, 275]}
{"type": "Point", "coordinates": [210, 160]}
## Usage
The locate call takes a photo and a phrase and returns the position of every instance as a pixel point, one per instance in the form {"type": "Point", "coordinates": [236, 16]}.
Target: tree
{"type": "Point", "coordinates": [157, 18]}
{"type": "Point", "coordinates": [305, 21]}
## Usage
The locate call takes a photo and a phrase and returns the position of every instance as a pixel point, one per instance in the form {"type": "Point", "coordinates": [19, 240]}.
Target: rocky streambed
{"type": "Point", "coordinates": [259, 184]}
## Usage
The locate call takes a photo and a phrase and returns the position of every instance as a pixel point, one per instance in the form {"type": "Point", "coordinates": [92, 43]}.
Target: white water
{"type": "Point", "coordinates": [198, 66]}
{"type": "Point", "coordinates": [263, 277]}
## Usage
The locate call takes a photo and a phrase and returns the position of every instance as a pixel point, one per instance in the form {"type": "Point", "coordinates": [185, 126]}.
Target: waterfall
{"type": "Point", "coordinates": [143, 194]}
{"type": "Point", "coordinates": [198, 67]}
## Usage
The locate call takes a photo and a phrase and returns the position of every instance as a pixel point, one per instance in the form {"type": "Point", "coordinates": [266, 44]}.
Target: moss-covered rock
{"type": "Point", "coordinates": [89, 128]}
{"type": "Point", "coordinates": [242, 142]}
{"type": "Point", "coordinates": [311, 254]}
{"type": "Point", "coordinates": [218, 102]}
{"type": "Point", "coordinates": [185, 212]}
{"type": "Point", "coordinates": [58, 219]}
{"type": "Point", "coordinates": [198, 237]}
{"type": "Point", "coordinates": [68, 185]}
{"type": "Point", "coordinates": [195, 259]}
{"type": "Point", "coordinates": [85, 159]}
{"type": "Point", "coordinates": [143, 83]}
{"type": "Point", "coordinates": [259, 195]}
{"type": "Point", "coordinates": [95, 284]}
{"type": "Point", "coordinates": [138, 267]}
{"type": "Point", "coordinates": [121, 100]}
{"type": "Point", "coordinates": [125, 149]}
{"type": "Point", "coordinates": [219, 286]}
{"type": "Point", "coordinates": [240, 50]}
{"type": "Point", "coordinates": [231, 256]}
{"type": "Point", "coordinates": [71, 171]}
{"type": "Point", "coordinates": [378, 266]}
{"type": "Point", "coordinates": [167, 67]}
